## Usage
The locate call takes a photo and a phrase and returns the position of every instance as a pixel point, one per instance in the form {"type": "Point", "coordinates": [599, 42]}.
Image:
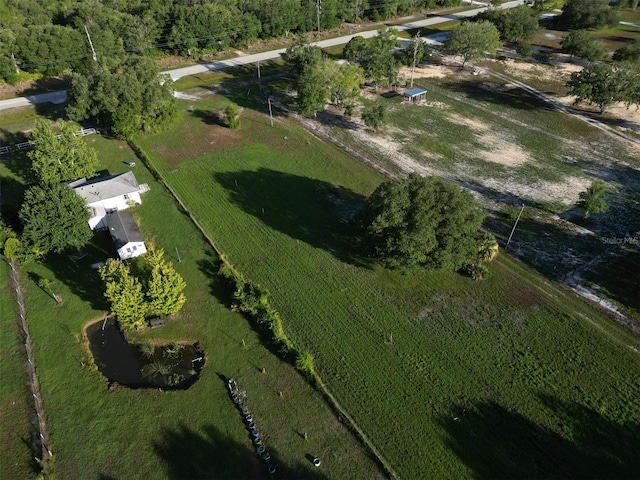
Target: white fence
{"type": "Point", "coordinates": [5, 149]}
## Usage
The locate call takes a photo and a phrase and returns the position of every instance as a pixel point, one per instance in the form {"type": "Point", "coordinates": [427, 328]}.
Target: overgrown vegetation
{"type": "Point", "coordinates": [123, 96]}
{"type": "Point", "coordinates": [49, 38]}
{"type": "Point", "coordinates": [157, 290]}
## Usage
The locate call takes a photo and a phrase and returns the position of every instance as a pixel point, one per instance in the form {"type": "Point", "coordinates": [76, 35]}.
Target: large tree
{"type": "Point", "coordinates": [124, 96]}
{"type": "Point", "coordinates": [422, 222]}
{"type": "Point", "coordinates": [375, 57]}
{"type": "Point", "coordinates": [58, 158]}
{"type": "Point", "coordinates": [515, 24]}
{"type": "Point", "coordinates": [577, 14]}
{"type": "Point", "coordinates": [54, 218]}
{"type": "Point", "coordinates": [604, 84]}
{"type": "Point", "coordinates": [302, 54]}
{"type": "Point", "coordinates": [473, 40]}
{"type": "Point", "coordinates": [164, 286]}
{"type": "Point", "coordinates": [320, 80]}
{"type": "Point", "coordinates": [582, 45]}
{"type": "Point", "coordinates": [124, 293]}
{"type": "Point", "coordinates": [328, 81]}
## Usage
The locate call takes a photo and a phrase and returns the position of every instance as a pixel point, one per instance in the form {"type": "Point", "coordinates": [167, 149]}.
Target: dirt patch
{"type": "Point", "coordinates": [559, 69]}
{"type": "Point", "coordinates": [393, 150]}
{"type": "Point", "coordinates": [499, 149]}
{"type": "Point", "coordinates": [427, 71]}
{"type": "Point", "coordinates": [629, 117]}
{"type": "Point", "coordinates": [564, 192]}
{"type": "Point", "coordinates": [559, 65]}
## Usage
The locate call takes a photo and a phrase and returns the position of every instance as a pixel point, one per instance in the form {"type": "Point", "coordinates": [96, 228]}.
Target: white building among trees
{"type": "Point", "coordinates": [126, 235]}
{"type": "Point", "coordinates": [109, 194]}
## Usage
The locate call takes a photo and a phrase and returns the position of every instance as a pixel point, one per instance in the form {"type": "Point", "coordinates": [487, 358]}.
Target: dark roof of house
{"type": "Point", "coordinates": [123, 228]}
{"type": "Point", "coordinates": [106, 187]}
{"type": "Point", "coordinates": [414, 92]}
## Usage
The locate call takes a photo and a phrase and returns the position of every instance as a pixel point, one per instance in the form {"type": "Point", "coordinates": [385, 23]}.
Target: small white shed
{"type": "Point", "coordinates": [125, 234]}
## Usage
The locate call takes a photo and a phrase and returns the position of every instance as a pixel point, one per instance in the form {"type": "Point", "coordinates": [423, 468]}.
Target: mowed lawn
{"type": "Point", "coordinates": [118, 433]}
{"type": "Point", "coordinates": [507, 378]}
{"type": "Point", "coordinates": [16, 408]}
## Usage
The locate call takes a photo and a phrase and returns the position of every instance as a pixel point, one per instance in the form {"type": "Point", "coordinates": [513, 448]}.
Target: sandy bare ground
{"type": "Point", "coordinates": [498, 148]}
{"type": "Point", "coordinates": [560, 69]}
{"type": "Point", "coordinates": [502, 149]}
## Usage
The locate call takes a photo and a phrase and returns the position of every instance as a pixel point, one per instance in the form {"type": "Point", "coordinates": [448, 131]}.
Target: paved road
{"type": "Point", "coordinates": [61, 96]}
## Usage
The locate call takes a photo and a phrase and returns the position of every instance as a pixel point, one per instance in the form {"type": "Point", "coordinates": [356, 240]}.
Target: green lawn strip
{"type": "Point", "coordinates": [196, 433]}
{"type": "Point", "coordinates": [457, 344]}
{"type": "Point", "coordinates": [16, 407]}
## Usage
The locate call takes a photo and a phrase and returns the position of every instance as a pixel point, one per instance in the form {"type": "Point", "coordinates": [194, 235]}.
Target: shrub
{"type": "Point", "coordinates": [525, 49]}
{"type": "Point", "coordinates": [231, 116]}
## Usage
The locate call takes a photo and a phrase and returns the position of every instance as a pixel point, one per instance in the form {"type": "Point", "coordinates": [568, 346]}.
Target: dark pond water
{"type": "Point", "coordinates": [172, 366]}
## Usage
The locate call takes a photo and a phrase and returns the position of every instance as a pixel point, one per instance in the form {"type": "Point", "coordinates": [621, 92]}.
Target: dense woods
{"type": "Point", "coordinates": [48, 36]}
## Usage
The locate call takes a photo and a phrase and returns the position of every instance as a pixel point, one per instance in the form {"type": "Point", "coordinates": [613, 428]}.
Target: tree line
{"type": "Point", "coordinates": [48, 36]}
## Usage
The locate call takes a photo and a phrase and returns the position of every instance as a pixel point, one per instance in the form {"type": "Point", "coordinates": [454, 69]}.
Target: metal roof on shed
{"type": "Point", "coordinates": [123, 228]}
{"type": "Point", "coordinates": [415, 92]}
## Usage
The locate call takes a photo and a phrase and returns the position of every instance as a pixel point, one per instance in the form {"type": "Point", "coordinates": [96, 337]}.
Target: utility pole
{"type": "Point", "coordinates": [318, 9]}
{"type": "Point", "coordinates": [514, 226]}
{"type": "Point", "coordinates": [95, 58]}
{"type": "Point", "coordinates": [270, 112]}
{"type": "Point", "coordinates": [417, 42]}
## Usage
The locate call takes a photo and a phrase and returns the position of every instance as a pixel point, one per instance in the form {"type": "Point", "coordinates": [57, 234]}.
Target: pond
{"type": "Point", "coordinates": [174, 366]}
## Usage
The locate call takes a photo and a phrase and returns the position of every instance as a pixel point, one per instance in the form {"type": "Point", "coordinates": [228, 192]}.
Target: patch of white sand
{"type": "Point", "coordinates": [501, 150]}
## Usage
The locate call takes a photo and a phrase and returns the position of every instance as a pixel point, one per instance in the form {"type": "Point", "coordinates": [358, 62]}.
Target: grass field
{"type": "Point", "coordinates": [507, 378]}
{"type": "Point", "coordinates": [16, 409]}
{"type": "Point", "coordinates": [121, 433]}
{"type": "Point", "coordinates": [450, 378]}
{"type": "Point", "coordinates": [512, 149]}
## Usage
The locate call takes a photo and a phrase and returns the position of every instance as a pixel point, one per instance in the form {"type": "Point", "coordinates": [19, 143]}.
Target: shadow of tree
{"type": "Point", "coordinates": [497, 443]}
{"type": "Point", "coordinates": [18, 162]}
{"type": "Point", "coordinates": [78, 275]}
{"type": "Point", "coordinates": [11, 198]}
{"type": "Point", "coordinates": [219, 287]}
{"type": "Point", "coordinates": [210, 454]}
{"type": "Point", "coordinates": [327, 117]}
{"type": "Point", "coordinates": [306, 209]}
{"type": "Point", "coordinates": [498, 94]}
{"type": "Point", "coordinates": [208, 117]}
{"type": "Point", "coordinates": [52, 111]}
{"type": "Point", "coordinates": [247, 91]}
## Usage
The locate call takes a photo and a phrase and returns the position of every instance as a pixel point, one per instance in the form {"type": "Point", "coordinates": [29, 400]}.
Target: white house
{"type": "Point", "coordinates": [126, 235]}
{"type": "Point", "coordinates": [108, 194]}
